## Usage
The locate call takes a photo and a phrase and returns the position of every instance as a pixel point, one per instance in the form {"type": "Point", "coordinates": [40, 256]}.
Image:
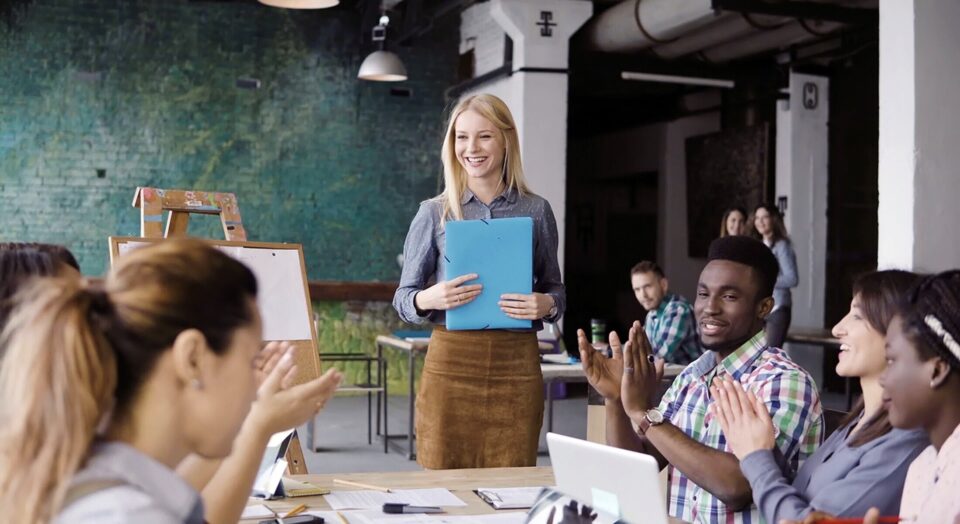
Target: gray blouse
{"type": "Point", "coordinates": [423, 262]}
{"type": "Point", "coordinates": [837, 479]}
{"type": "Point", "coordinates": [150, 493]}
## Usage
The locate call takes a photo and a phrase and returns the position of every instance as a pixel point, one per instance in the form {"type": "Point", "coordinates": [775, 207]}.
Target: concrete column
{"type": "Point", "coordinates": [536, 91]}
{"type": "Point", "coordinates": [918, 180]}
{"type": "Point", "coordinates": [802, 154]}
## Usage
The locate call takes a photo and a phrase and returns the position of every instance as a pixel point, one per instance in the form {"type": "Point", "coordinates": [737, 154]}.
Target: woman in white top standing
{"type": "Point", "coordinates": [769, 227]}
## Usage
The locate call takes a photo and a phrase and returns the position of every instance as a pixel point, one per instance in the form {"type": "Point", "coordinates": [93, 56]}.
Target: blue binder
{"type": "Point", "coordinates": [500, 251]}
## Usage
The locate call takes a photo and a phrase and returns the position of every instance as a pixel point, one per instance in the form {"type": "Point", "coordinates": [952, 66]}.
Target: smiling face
{"type": "Point", "coordinates": [479, 146]}
{"type": "Point", "coordinates": [727, 309]}
{"type": "Point", "coordinates": [862, 346]}
{"type": "Point", "coordinates": [907, 394]}
{"type": "Point", "coordinates": [763, 222]}
{"type": "Point", "coordinates": [649, 289]}
{"type": "Point", "coordinates": [735, 223]}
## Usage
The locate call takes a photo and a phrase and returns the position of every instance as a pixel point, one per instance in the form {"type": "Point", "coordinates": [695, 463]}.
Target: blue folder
{"type": "Point", "coordinates": [500, 251]}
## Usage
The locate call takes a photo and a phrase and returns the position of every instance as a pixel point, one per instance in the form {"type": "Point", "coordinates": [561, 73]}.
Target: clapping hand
{"type": "Point", "coordinates": [603, 373]}
{"type": "Point", "coordinates": [743, 417]}
{"type": "Point", "coordinates": [641, 374]}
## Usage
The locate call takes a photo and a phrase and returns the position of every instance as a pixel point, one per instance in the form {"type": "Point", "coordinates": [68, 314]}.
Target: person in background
{"type": "Point", "coordinates": [864, 462]}
{"type": "Point", "coordinates": [670, 325]}
{"type": "Point", "coordinates": [769, 227]}
{"type": "Point", "coordinates": [480, 402]}
{"type": "Point", "coordinates": [705, 481]}
{"type": "Point", "coordinates": [734, 222]}
{"type": "Point", "coordinates": [21, 262]}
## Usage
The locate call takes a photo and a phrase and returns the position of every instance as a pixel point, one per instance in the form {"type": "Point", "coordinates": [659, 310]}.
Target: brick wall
{"type": "Point", "coordinates": [98, 97]}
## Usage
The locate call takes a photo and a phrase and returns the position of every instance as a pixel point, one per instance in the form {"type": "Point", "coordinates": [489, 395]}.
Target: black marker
{"type": "Point", "coordinates": [399, 507]}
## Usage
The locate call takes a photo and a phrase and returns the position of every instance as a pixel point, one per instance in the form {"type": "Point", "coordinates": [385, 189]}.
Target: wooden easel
{"type": "Point", "coordinates": [153, 202]}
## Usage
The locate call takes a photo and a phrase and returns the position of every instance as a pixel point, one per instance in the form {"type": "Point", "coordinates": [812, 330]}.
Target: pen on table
{"type": "Point", "coordinates": [361, 485]}
{"type": "Point", "coordinates": [859, 520]}
{"type": "Point", "coordinates": [295, 511]}
{"type": "Point", "coordinates": [343, 520]}
{"type": "Point", "coordinates": [400, 507]}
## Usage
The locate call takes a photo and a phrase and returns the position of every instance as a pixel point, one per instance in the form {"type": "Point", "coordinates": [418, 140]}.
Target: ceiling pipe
{"type": "Point", "coordinates": [634, 25]}
{"type": "Point", "coordinates": [677, 28]}
{"type": "Point", "coordinates": [789, 34]}
{"type": "Point", "coordinates": [729, 26]}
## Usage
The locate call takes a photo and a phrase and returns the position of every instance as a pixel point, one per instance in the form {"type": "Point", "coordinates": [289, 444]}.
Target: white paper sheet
{"type": "Point", "coordinates": [378, 517]}
{"type": "Point", "coordinates": [281, 296]}
{"type": "Point", "coordinates": [257, 511]}
{"type": "Point", "coordinates": [369, 499]}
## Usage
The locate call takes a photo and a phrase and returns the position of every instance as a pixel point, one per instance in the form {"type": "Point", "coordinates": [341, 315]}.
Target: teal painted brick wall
{"type": "Point", "coordinates": [144, 90]}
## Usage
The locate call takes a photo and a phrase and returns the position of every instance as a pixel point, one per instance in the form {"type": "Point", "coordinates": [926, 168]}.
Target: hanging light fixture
{"type": "Point", "coordinates": [382, 65]}
{"type": "Point", "coordinates": [301, 4]}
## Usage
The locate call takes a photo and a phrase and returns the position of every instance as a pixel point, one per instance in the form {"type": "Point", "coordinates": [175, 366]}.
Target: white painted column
{"type": "Point", "coordinates": [802, 168]}
{"type": "Point", "coordinates": [536, 91]}
{"type": "Point", "coordinates": [919, 178]}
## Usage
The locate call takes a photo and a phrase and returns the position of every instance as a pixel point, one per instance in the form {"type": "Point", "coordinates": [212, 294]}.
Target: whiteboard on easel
{"type": "Point", "coordinates": [282, 293]}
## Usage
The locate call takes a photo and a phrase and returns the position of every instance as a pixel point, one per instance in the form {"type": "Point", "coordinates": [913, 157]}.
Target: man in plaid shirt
{"type": "Point", "coordinates": [670, 325]}
{"type": "Point", "coordinates": [734, 295]}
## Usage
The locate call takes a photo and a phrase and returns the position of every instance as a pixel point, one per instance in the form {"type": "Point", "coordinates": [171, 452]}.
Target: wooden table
{"type": "Point", "coordinates": [555, 368]}
{"type": "Point", "coordinates": [460, 481]}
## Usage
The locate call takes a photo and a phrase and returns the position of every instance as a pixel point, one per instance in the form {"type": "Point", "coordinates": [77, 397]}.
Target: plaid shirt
{"type": "Point", "coordinates": [786, 389]}
{"type": "Point", "coordinates": [672, 331]}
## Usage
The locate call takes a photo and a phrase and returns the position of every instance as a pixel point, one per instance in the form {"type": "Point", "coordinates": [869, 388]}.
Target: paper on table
{"type": "Point", "coordinates": [257, 511]}
{"type": "Point", "coordinates": [369, 499]}
{"type": "Point", "coordinates": [379, 517]}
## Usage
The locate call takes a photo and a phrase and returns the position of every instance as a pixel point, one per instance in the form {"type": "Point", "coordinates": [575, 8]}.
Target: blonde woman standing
{"type": "Point", "coordinates": [480, 402]}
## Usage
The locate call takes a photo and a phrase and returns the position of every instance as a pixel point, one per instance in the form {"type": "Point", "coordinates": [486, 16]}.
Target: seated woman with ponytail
{"type": "Point", "coordinates": [114, 387]}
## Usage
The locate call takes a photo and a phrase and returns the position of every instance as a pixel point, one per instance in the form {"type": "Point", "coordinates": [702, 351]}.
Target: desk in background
{"type": "Point", "coordinates": [461, 482]}
{"type": "Point", "coordinates": [822, 338]}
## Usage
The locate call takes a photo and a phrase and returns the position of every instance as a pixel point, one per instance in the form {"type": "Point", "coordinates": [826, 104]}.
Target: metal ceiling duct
{"type": "Point", "coordinates": [677, 28]}
{"type": "Point", "coordinates": [634, 25]}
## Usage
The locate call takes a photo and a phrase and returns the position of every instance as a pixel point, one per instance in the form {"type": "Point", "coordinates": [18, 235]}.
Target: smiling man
{"type": "Point", "coordinates": [670, 325]}
{"type": "Point", "coordinates": [734, 295]}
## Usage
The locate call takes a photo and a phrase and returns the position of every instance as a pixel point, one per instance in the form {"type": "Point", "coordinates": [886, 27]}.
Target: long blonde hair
{"type": "Point", "coordinates": [454, 177]}
{"type": "Point", "coordinates": [77, 354]}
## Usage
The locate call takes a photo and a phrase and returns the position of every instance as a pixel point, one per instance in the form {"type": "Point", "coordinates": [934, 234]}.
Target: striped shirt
{"type": "Point", "coordinates": [786, 389]}
{"type": "Point", "coordinates": [672, 331]}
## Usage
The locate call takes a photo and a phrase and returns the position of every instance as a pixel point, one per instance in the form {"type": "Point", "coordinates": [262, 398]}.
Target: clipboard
{"type": "Point", "coordinates": [500, 251]}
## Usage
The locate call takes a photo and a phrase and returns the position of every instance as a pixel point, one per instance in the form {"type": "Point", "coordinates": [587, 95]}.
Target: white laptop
{"type": "Point", "coordinates": [613, 480]}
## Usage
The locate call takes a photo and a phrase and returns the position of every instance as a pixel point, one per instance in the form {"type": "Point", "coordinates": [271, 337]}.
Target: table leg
{"type": "Point", "coordinates": [410, 415]}
{"type": "Point", "coordinates": [549, 405]}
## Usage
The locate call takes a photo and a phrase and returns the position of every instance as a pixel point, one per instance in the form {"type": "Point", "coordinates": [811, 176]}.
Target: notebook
{"type": "Point", "coordinates": [500, 251]}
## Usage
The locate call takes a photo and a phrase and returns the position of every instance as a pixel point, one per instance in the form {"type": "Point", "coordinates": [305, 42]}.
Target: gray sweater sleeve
{"type": "Point", "coordinates": [787, 258]}
{"type": "Point", "coordinates": [420, 254]}
{"type": "Point", "coordinates": [546, 266]}
{"type": "Point", "coordinates": [875, 481]}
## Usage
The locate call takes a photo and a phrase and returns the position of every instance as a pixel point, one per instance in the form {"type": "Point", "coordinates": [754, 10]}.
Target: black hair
{"type": "Point", "coordinates": [931, 317]}
{"type": "Point", "coordinates": [749, 252]}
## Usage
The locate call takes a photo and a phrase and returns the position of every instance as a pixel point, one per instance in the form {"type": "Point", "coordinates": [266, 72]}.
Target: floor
{"type": "Point", "coordinates": [341, 434]}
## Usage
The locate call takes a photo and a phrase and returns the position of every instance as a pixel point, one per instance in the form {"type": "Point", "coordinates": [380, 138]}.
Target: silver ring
{"type": "Point", "coordinates": [650, 358]}
{"type": "Point", "coordinates": [628, 370]}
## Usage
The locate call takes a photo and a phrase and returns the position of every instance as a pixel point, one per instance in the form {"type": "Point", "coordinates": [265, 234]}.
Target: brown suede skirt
{"type": "Point", "coordinates": [480, 403]}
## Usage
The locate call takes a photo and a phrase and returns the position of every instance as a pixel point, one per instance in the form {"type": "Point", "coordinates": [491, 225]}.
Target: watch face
{"type": "Point", "coordinates": [654, 416]}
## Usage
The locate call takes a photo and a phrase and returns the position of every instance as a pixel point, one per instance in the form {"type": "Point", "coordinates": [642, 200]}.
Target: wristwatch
{"type": "Point", "coordinates": [552, 312]}
{"type": "Point", "coordinates": [652, 417]}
